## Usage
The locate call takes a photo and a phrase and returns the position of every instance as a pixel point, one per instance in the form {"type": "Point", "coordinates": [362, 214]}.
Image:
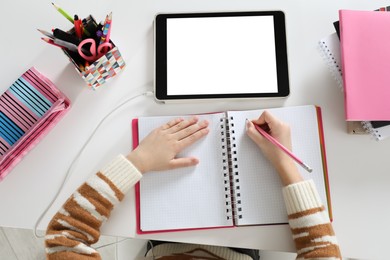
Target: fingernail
{"type": "Point", "coordinates": [247, 124]}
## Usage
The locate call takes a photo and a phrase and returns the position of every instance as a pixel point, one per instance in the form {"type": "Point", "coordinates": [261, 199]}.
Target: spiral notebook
{"type": "Point", "coordinates": [233, 184]}
{"type": "Point", "coordinates": [364, 44]}
{"type": "Point", "coordinates": [329, 47]}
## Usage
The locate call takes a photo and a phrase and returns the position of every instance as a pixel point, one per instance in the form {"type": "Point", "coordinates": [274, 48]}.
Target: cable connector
{"type": "Point", "coordinates": [149, 93]}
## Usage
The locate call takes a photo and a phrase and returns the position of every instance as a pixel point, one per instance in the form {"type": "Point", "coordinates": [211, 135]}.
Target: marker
{"type": "Point", "coordinates": [78, 27]}
{"type": "Point", "coordinates": [99, 33]}
{"type": "Point", "coordinates": [60, 34]}
{"type": "Point", "coordinates": [65, 14]}
{"type": "Point", "coordinates": [275, 142]}
{"type": "Point", "coordinates": [88, 27]}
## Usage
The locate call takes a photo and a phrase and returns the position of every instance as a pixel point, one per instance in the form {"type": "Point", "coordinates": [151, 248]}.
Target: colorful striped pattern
{"type": "Point", "coordinates": [24, 115]}
{"type": "Point", "coordinates": [309, 222]}
{"type": "Point", "coordinates": [104, 68]}
{"type": "Point", "coordinates": [76, 226]}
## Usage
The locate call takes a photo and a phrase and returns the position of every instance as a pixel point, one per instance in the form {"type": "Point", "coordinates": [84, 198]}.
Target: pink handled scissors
{"type": "Point", "coordinates": [93, 53]}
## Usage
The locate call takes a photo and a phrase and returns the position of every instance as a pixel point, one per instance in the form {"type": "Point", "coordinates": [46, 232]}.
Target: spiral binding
{"type": "Point", "coordinates": [230, 170]}
{"type": "Point", "coordinates": [225, 170]}
{"type": "Point", "coordinates": [329, 47]}
{"type": "Point", "coordinates": [371, 130]}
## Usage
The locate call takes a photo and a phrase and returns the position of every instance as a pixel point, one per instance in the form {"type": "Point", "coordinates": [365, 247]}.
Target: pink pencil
{"type": "Point", "coordinates": [275, 142]}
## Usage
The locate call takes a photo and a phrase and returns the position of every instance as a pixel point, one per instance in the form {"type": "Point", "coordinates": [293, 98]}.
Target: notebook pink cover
{"type": "Point", "coordinates": [365, 56]}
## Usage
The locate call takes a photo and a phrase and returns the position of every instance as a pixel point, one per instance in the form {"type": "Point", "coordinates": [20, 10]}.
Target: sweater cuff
{"type": "Point", "coordinates": [301, 196]}
{"type": "Point", "coordinates": [122, 173]}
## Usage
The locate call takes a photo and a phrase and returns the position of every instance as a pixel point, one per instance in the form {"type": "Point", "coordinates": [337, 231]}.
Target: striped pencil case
{"type": "Point", "coordinates": [29, 109]}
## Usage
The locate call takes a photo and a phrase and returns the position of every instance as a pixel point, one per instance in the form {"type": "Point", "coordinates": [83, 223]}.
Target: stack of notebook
{"type": "Point", "coordinates": [358, 56]}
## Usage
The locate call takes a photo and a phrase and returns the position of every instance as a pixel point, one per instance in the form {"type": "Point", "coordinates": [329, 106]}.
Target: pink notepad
{"type": "Point", "coordinates": [365, 55]}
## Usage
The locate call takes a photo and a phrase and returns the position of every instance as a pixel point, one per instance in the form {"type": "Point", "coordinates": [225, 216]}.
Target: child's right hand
{"type": "Point", "coordinates": [282, 133]}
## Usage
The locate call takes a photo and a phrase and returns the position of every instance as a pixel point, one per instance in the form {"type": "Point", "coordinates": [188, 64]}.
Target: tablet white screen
{"type": "Point", "coordinates": [221, 55]}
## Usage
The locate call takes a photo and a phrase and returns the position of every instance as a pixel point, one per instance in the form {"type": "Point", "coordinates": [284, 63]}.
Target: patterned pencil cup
{"type": "Point", "coordinates": [103, 69]}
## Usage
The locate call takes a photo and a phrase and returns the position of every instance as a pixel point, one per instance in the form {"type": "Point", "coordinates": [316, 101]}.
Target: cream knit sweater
{"type": "Point", "coordinates": [76, 226]}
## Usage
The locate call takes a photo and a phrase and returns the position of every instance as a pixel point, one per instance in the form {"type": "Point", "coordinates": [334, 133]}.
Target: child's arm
{"type": "Point", "coordinates": [309, 221]}
{"type": "Point", "coordinates": [76, 226]}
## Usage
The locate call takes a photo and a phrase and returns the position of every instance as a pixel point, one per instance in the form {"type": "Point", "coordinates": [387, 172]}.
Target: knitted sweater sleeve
{"type": "Point", "coordinates": [309, 222]}
{"type": "Point", "coordinates": [76, 226]}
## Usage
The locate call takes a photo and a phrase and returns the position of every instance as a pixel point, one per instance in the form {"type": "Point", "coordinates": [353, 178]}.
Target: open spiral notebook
{"type": "Point", "coordinates": [233, 184]}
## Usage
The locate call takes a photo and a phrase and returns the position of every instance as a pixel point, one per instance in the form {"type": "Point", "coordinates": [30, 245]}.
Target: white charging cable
{"type": "Point", "coordinates": [76, 159]}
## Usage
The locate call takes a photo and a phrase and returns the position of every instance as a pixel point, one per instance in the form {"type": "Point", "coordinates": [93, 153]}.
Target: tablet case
{"type": "Point", "coordinates": [29, 109]}
{"type": "Point", "coordinates": [164, 93]}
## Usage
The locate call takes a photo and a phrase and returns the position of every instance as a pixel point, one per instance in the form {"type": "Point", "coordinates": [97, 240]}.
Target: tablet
{"type": "Point", "coordinates": [220, 55]}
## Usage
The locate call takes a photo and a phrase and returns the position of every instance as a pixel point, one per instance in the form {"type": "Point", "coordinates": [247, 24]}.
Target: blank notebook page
{"type": "Point", "coordinates": [260, 187]}
{"type": "Point", "coordinates": [192, 197]}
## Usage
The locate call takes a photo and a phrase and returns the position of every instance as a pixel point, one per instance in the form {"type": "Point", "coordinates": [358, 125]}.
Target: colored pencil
{"type": "Point", "coordinates": [65, 14]}
{"type": "Point", "coordinates": [283, 148]}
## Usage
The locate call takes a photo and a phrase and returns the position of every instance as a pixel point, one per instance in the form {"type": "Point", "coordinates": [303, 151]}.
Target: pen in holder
{"type": "Point", "coordinates": [96, 72]}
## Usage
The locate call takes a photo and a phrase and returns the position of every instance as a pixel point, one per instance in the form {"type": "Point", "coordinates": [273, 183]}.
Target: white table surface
{"type": "Point", "coordinates": [358, 166]}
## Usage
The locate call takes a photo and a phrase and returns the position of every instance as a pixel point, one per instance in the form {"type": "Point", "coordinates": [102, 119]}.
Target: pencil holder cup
{"type": "Point", "coordinates": [101, 70]}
